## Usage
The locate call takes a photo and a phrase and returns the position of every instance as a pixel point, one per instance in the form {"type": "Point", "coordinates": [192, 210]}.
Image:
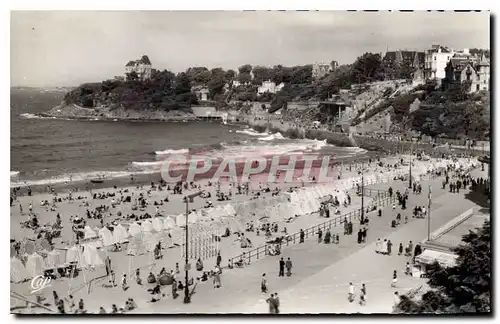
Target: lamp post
{"type": "Point", "coordinates": [189, 198]}
{"type": "Point", "coordinates": [362, 193]}
{"type": "Point", "coordinates": [411, 156]}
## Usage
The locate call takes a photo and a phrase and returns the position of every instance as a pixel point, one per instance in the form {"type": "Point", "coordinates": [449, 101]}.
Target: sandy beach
{"type": "Point", "coordinates": [91, 283]}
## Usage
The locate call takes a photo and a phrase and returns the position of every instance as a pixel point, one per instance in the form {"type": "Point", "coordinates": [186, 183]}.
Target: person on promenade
{"type": "Point", "coordinates": [350, 295]}
{"type": "Point", "coordinates": [302, 235]}
{"type": "Point", "coordinates": [384, 247]}
{"type": "Point", "coordinates": [138, 276]}
{"type": "Point", "coordinates": [407, 269]}
{"type": "Point", "coordinates": [337, 239]}
{"type": "Point", "coordinates": [396, 298]}
{"type": "Point", "coordinates": [360, 236]}
{"type": "Point", "coordinates": [378, 247]}
{"type": "Point", "coordinates": [320, 235]}
{"type": "Point", "coordinates": [124, 282]}
{"type": "Point", "coordinates": [277, 303]}
{"type": "Point", "coordinates": [272, 304]}
{"type": "Point", "coordinates": [288, 265]}
{"type": "Point", "coordinates": [362, 296]}
{"type": "Point", "coordinates": [346, 226]}
{"type": "Point", "coordinates": [219, 259]}
{"type": "Point", "coordinates": [394, 279]}
{"type": "Point", "coordinates": [263, 283]}
{"type": "Point", "coordinates": [174, 289]}
{"type": "Point", "coordinates": [282, 268]}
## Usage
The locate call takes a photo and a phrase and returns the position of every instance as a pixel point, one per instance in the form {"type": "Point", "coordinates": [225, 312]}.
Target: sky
{"type": "Point", "coordinates": [67, 48]}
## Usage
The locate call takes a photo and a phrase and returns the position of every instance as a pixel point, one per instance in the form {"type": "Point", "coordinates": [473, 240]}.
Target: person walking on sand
{"type": "Point", "coordinates": [394, 279]}
{"type": "Point", "coordinates": [389, 247]}
{"type": "Point", "coordinates": [276, 303]}
{"type": "Point", "coordinates": [138, 276]}
{"type": "Point", "coordinates": [271, 302]}
{"type": "Point", "coordinates": [288, 265]}
{"type": "Point", "coordinates": [282, 268]}
{"type": "Point", "coordinates": [362, 296]}
{"type": "Point", "coordinates": [350, 296]}
{"type": "Point", "coordinates": [263, 283]}
{"type": "Point", "coordinates": [124, 282]}
{"type": "Point", "coordinates": [400, 251]}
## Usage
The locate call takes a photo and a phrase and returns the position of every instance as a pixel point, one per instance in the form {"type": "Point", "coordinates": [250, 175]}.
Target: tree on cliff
{"type": "Point", "coordinates": [217, 82]}
{"type": "Point", "coordinates": [367, 68]}
{"type": "Point", "coordinates": [132, 76]}
{"type": "Point", "coordinates": [463, 288]}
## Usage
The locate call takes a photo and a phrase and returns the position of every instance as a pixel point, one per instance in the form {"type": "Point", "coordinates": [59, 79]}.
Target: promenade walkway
{"type": "Point", "coordinates": [326, 291]}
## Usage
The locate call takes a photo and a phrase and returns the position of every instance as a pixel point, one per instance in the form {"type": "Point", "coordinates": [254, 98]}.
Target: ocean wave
{"type": "Point", "coordinates": [82, 176]}
{"type": "Point", "coordinates": [147, 164]}
{"type": "Point", "coordinates": [272, 137]}
{"type": "Point", "coordinates": [14, 173]}
{"type": "Point", "coordinates": [168, 152]}
{"type": "Point", "coordinates": [251, 132]}
{"type": "Point", "coordinates": [33, 116]}
{"type": "Point", "coordinates": [316, 145]}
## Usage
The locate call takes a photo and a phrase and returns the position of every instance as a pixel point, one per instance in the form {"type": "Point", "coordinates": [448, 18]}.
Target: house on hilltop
{"type": "Point", "coordinates": [436, 60]}
{"type": "Point", "coordinates": [413, 59]}
{"type": "Point", "coordinates": [201, 92]}
{"type": "Point", "coordinates": [269, 86]}
{"type": "Point", "coordinates": [319, 70]}
{"type": "Point", "coordinates": [142, 67]}
{"type": "Point", "coordinates": [471, 69]}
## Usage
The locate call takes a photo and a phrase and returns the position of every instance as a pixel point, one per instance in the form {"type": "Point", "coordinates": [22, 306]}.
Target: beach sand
{"type": "Point", "coordinates": [100, 294]}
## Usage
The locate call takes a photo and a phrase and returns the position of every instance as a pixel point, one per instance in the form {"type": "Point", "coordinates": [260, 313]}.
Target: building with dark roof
{"type": "Point", "coordinates": [141, 66]}
{"type": "Point", "coordinates": [465, 68]}
{"type": "Point", "coordinates": [414, 59]}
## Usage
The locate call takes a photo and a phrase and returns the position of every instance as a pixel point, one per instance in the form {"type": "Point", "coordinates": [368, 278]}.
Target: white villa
{"type": "Point", "coordinates": [269, 86]}
{"type": "Point", "coordinates": [142, 67]}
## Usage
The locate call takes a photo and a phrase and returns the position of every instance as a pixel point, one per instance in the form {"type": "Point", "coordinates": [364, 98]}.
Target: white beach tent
{"type": "Point", "coordinates": [54, 259]}
{"type": "Point", "coordinates": [35, 265]}
{"type": "Point", "coordinates": [89, 233]}
{"type": "Point", "coordinates": [180, 220]}
{"type": "Point", "coordinates": [169, 222]}
{"type": "Point", "coordinates": [150, 242]}
{"type": "Point", "coordinates": [193, 217]}
{"type": "Point", "coordinates": [146, 226]}
{"type": "Point", "coordinates": [157, 224]}
{"type": "Point", "coordinates": [73, 254]}
{"type": "Point", "coordinates": [136, 246]}
{"type": "Point", "coordinates": [106, 236]}
{"type": "Point", "coordinates": [18, 272]}
{"type": "Point", "coordinates": [90, 256]}
{"type": "Point", "coordinates": [230, 210]}
{"type": "Point", "coordinates": [120, 234]}
{"type": "Point", "coordinates": [135, 229]}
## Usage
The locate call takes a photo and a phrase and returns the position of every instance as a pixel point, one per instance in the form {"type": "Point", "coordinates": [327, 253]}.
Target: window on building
{"type": "Point", "coordinates": [468, 77]}
{"type": "Point", "coordinates": [434, 58]}
{"type": "Point", "coordinates": [478, 78]}
{"type": "Point", "coordinates": [477, 87]}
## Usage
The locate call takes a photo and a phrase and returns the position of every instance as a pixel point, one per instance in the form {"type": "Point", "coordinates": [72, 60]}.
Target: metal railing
{"type": "Point", "coordinates": [263, 250]}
